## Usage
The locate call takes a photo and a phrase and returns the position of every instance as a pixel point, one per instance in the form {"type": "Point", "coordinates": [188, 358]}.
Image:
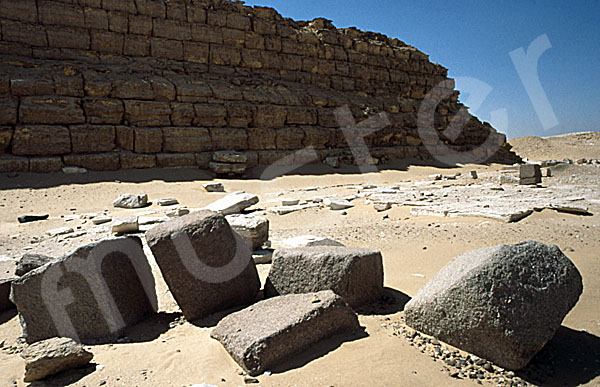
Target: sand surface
{"type": "Point", "coordinates": [167, 350]}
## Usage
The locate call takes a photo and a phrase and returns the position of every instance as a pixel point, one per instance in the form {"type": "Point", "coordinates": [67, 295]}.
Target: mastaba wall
{"type": "Point", "coordinates": [111, 84]}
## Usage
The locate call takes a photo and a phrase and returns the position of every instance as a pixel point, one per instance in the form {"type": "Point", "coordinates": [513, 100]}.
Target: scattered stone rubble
{"type": "Point", "coordinates": [131, 201]}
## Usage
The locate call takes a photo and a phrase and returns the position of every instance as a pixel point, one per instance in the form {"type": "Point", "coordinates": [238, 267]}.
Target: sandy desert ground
{"type": "Point", "coordinates": [166, 350]}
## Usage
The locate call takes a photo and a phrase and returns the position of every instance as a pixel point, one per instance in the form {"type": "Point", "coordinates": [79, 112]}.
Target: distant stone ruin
{"type": "Point", "coordinates": [118, 84]}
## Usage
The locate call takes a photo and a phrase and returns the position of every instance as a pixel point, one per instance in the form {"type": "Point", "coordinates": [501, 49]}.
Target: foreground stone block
{"type": "Point", "coordinates": [206, 265]}
{"type": "Point", "coordinates": [233, 203]}
{"type": "Point", "coordinates": [353, 273]}
{"type": "Point", "coordinates": [254, 229]}
{"type": "Point", "coordinates": [52, 356]}
{"type": "Point", "coordinates": [266, 333]}
{"type": "Point", "coordinates": [90, 295]}
{"type": "Point", "coordinates": [501, 303]}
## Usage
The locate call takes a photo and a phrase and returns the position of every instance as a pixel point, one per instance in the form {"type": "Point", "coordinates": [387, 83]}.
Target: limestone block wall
{"type": "Point", "coordinates": [111, 84]}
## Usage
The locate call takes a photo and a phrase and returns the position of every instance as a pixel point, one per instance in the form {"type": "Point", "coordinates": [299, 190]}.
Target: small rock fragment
{"type": "Point", "coordinates": [59, 231]}
{"type": "Point", "coordinates": [52, 356]}
{"type": "Point", "coordinates": [214, 187]}
{"type": "Point", "coordinates": [131, 201]}
{"type": "Point", "coordinates": [167, 202]}
{"type": "Point", "coordinates": [125, 225]}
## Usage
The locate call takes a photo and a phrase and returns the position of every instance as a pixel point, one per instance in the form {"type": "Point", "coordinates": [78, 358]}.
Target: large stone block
{"type": "Point", "coordinates": [92, 138]}
{"type": "Point", "coordinates": [10, 163]}
{"type": "Point", "coordinates": [229, 139]}
{"type": "Point", "coordinates": [210, 115]}
{"type": "Point", "coordinates": [63, 37]}
{"type": "Point", "coordinates": [260, 337]}
{"type": "Point", "coordinates": [90, 295]}
{"type": "Point", "coordinates": [171, 160]}
{"type": "Point", "coordinates": [206, 265]}
{"type": "Point", "coordinates": [103, 111]}
{"type": "Point", "coordinates": [6, 134]}
{"type": "Point", "coordinates": [171, 29]}
{"type": "Point", "coordinates": [61, 14]}
{"type": "Point", "coordinates": [137, 161]}
{"type": "Point", "coordinates": [24, 10]}
{"type": "Point", "coordinates": [270, 116]}
{"type": "Point", "coordinates": [353, 273]}
{"type": "Point", "coordinates": [41, 140]}
{"type": "Point", "coordinates": [183, 140]}
{"type": "Point", "coordinates": [8, 111]}
{"type": "Point", "coordinates": [166, 49]}
{"type": "Point", "coordinates": [94, 162]}
{"type": "Point", "coordinates": [34, 35]}
{"type": "Point", "coordinates": [501, 303]}
{"type": "Point", "coordinates": [148, 140]}
{"type": "Point", "coordinates": [196, 52]}
{"type": "Point", "coordinates": [148, 113]}
{"type": "Point", "coordinates": [131, 88]}
{"type": "Point", "coordinates": [51, 110]}
{"type": "Point", "coordinates": [45, 164]}
{"type": "Point", "coordinates": [109, 42]}
{"type": "Point", "coordinates": [225, 55]}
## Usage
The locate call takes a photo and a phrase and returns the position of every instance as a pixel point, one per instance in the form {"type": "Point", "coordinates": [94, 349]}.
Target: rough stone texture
{"type": "Point", "coordinates": [206, 265]}
{"type": "Point", "coordinates": [353, 273]}
{"type": "Point", "coordinates": [254, 229]}
{"type": "Point", "coordinates": [501, 303]}
{"type": "Point", "coordinates": [90, 295]}
{"type": "Point", "coordinates": [217, 75]}
{"type": "Point", "coordinates": [49, 357]}
{"type": "Point", "coordinates": [29, 262]}
{"type": "Point", "coordinates": [270, 331]}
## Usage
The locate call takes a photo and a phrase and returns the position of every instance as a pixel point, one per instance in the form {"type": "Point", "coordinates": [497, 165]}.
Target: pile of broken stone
{"type": "Point", "coordinates": [501, 304]}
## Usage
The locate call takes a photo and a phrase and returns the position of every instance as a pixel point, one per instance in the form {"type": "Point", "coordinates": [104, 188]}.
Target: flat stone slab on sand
{"type": "Point", "coordinates": [233, 203]}
{"type": "Point", "coordinates": [266, 333]}
{"type": "Point", "coordinates": [501, 303]}
{"type": "Point", "coordinates": [353, 273]}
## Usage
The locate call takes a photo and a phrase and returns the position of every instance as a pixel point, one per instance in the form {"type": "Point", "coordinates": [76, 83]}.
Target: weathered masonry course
{"type": "Point", "coordinates": [117, 84]}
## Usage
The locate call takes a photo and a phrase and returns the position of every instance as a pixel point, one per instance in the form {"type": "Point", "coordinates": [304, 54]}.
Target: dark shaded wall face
{"type": "Point", "coordinates": [123, 84]}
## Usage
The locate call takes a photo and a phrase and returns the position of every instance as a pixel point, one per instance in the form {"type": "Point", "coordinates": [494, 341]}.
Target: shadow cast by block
{"type": "Point", "coordinates": [571, 358]}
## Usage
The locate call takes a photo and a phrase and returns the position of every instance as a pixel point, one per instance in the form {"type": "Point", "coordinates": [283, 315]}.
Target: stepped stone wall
{"type": "Point", "coordinates": [111, 84]}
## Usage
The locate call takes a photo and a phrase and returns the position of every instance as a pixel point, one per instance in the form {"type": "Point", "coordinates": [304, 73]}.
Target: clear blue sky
{"type": "Point", "coordinates": [474, 39]}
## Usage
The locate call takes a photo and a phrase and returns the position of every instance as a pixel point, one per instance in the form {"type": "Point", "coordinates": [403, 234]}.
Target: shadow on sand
{"type": "Point", "coordinates": [391, 301]}
{"type": "Point", "coordinates": [318, 350]}
{"type": "Point", "coordinates": [151, 328]}
{"type": "Point", "coordinates": [65, 378]}
{"type": "Point", "coordinates": [571, 358]}
{"type": "Point", "coordinates": [7, 315]}
{"type": "Point", "coordinates": [187, 174]}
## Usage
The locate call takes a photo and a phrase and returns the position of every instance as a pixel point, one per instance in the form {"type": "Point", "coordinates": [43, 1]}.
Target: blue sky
{"type": "Point", "coordinates": [474, 39]}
